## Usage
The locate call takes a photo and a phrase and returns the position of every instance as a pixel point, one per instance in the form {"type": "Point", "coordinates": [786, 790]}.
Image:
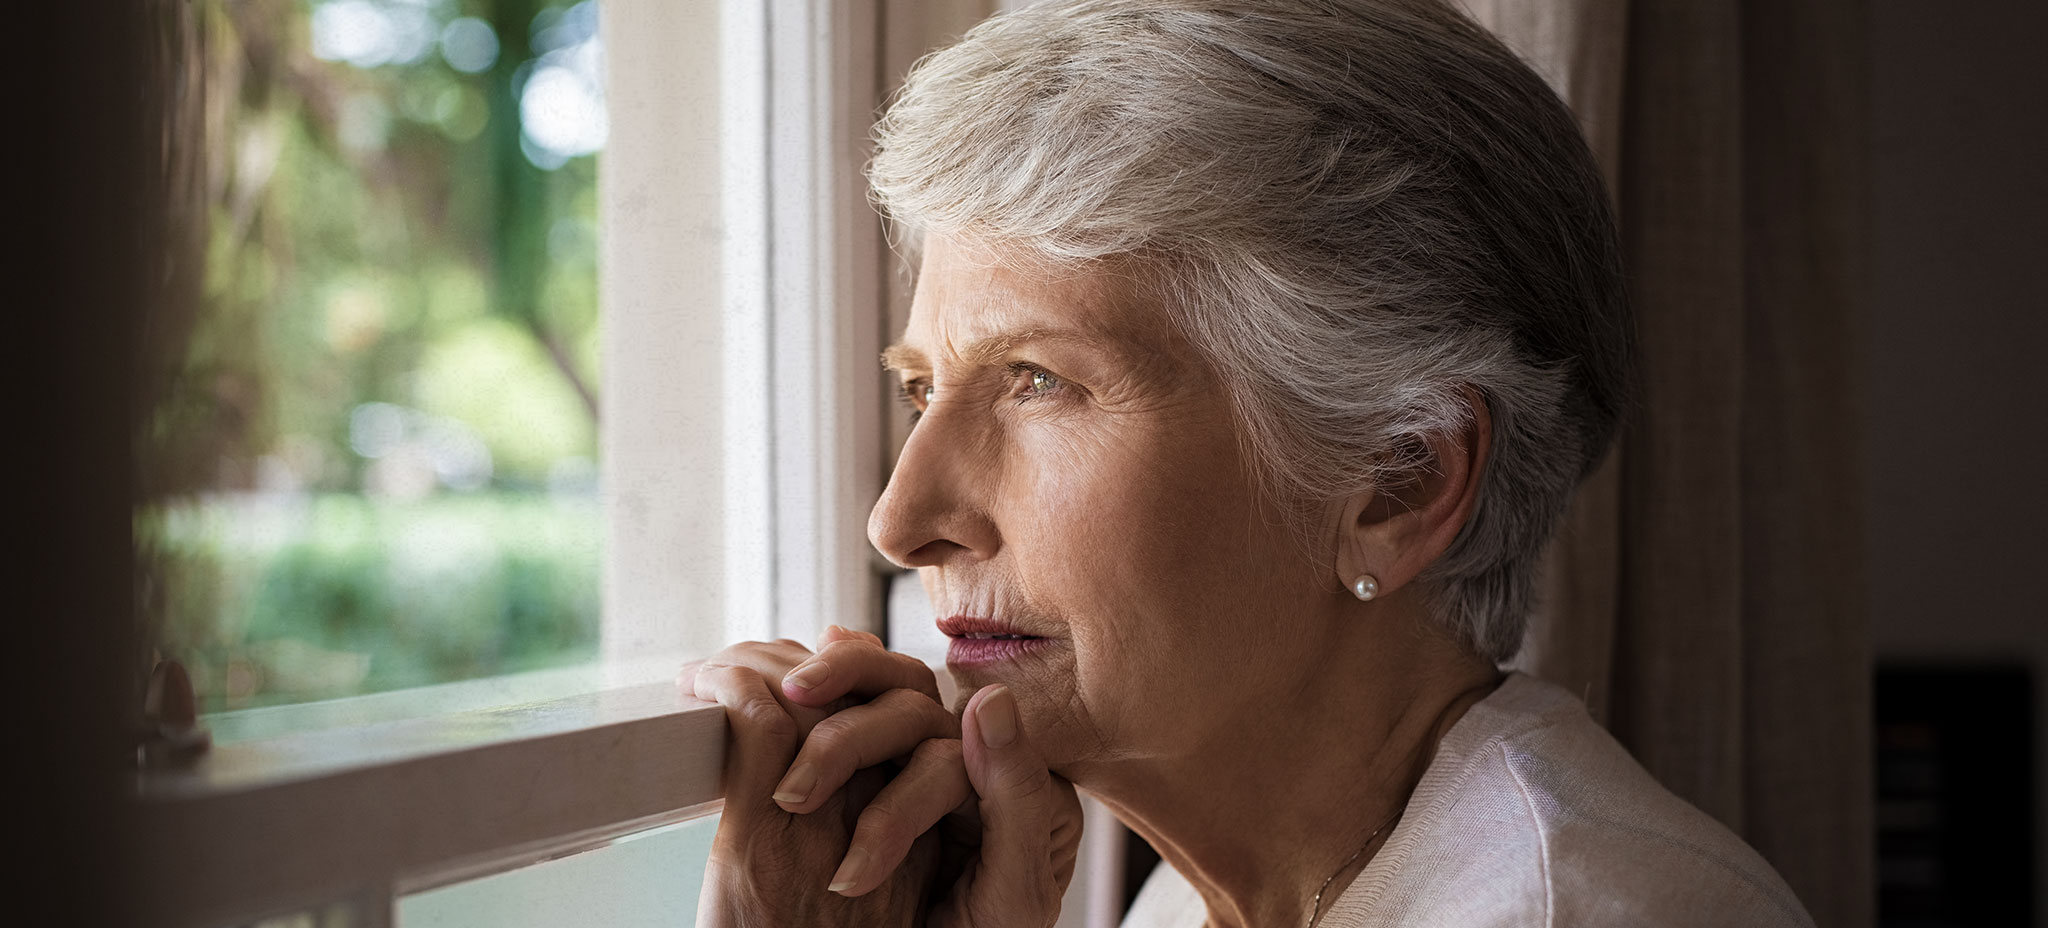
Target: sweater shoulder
{"type": "Point", "coordinates": [1541, 817]}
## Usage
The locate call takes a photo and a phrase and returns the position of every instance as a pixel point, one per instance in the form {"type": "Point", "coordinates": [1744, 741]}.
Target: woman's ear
{"type": "Point", "coordinates": [1395, 532]}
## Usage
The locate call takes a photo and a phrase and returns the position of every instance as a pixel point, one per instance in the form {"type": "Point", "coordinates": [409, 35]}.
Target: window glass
{"type": "Point", "coordinates": [650, 879]}
{"type": "Point", "coordinates": [370, 460]}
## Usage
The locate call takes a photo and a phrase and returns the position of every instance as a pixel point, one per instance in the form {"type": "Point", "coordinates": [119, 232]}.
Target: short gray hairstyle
{"type": "Point", "coordinates": [1359, 211]}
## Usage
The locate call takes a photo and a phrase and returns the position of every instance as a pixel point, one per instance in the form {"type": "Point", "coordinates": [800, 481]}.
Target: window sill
{"type": "Point", "coordinates": [538, 686]}
{"type": "Point", "coordinates": [368, 810]}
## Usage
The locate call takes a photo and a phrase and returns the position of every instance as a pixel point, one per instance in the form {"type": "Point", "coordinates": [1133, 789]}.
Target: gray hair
{"type": "Point", "coordinates": [1360, 211]}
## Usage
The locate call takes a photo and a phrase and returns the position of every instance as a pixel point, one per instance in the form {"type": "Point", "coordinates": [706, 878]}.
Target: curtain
{"type": "Point", "coordinates": [1704, 593]}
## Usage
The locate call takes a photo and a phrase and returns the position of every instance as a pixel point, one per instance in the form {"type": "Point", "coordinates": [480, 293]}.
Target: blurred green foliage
{"type": "Point", "coordinates": [285, 599]}
{"type": "Point", "coordinates": [371, 460]}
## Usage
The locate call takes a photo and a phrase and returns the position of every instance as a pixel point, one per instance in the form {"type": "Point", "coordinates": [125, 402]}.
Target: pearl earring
{"type": "Point", "coordinates": [1365, 587]}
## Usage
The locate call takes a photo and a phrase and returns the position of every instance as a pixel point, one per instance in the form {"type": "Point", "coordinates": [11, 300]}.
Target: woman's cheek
{"type": "Point", "coordinates": [1088, 457]}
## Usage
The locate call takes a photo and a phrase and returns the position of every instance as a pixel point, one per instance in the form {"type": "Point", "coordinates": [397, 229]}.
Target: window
{"type": "Point", "coordinates": [371, 461]}
{"type": "Point", "coordinates": [744, 433]}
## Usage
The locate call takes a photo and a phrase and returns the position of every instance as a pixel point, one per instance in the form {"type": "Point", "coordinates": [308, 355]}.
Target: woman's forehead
{"type": "Point", "coordinates": [974, 302]}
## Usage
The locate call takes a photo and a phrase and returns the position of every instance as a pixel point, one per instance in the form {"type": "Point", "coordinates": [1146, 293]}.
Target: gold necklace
{"type": "Point", "coordinates": [1315, 906]}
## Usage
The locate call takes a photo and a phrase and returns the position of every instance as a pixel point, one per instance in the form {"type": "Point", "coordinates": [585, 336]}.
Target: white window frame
{"type": "Point", "coordinates": [742, 298]}
{"type": "Point", "coordinates": [744, 281]}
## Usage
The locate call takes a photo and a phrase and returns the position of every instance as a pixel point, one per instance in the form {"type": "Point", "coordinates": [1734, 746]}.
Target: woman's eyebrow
{"type": "Point", "coordinates": [990, 349]}
{"type": "Point", "coordinates": [902, 357]}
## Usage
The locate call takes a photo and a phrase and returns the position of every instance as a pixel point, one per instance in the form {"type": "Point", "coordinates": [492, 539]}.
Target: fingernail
{"type": "Point", "coordinates": [997, 714]}
{"type": "Point", "coordinates": [796, 786]}
{"type": "Point", "coordinates": [808, 675]}
{"type": "Point", "coordinates": [849, 870]}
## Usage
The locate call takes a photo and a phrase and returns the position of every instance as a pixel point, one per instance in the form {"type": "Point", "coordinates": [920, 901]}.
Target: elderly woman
{"type": "Point", "coordinates": [1257, 346]}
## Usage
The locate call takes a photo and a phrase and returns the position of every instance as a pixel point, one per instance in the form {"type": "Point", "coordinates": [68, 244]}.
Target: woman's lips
{"type": "Point", "coordinates": [980, 641]}
{"type": "Point", "coordinates": [980, 652]}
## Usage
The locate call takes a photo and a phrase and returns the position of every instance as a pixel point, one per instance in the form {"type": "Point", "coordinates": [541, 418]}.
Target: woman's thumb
{"type": "Point", "coordinates": [1014, 883]}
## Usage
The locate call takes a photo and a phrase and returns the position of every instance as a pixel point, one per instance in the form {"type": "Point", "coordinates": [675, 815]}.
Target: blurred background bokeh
{"type": "Point", "coordinates": [369, 460]}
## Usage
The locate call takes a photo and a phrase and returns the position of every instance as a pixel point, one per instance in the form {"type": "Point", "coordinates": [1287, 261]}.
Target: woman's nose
{"type": "Point", "coordinates": [933, 511]}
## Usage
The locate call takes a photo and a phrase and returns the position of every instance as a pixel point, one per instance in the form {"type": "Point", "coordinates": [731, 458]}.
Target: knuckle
{"type": "Point", "coordinates": [757, 655]}
{"type": "Point", "coordinates": [829, 736]}
{"type": "Point", "coordinates": [846, 648]}
{"type": "Point", "coordinates": [1027, 785]}
{"type": "Point", "coordinates": [878, 822]}
{"type": "Point", "coordinates": [765, 715]}
{"type": "Point", "coordinates": [881, 665]}
{"type": "Point", "coordinates": [736, 677]}
{"type": "Point", "coordinates": [902, 706]}
{"type": "Point", "coordinates": [918, 714]}
{"type": "Point", "coordinates": [940, 751]}
{"type": "Point", "coordinates": [733, 653]}
{"type": "Point", "coordinates": [723, 671]}
{"type": "Point", "coordinates": [779, 729]}
{"type": "Point", "coordinates": [710, 680]}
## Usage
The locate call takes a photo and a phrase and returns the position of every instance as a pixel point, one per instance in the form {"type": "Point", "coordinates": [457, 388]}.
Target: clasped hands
{"type": "Point", "coordinates": [854, 797]}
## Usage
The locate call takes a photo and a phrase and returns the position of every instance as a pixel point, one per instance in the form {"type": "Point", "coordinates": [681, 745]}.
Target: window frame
{"type": "Point", "coordinates": [797, 260]}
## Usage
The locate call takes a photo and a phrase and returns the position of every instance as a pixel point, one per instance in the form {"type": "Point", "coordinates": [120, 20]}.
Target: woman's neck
{"type": "Point", "coordinates": [1260, 815]}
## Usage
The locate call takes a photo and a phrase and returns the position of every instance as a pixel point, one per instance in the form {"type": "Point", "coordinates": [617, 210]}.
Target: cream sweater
{"type": "Point", "coordinates": [1531, 814]}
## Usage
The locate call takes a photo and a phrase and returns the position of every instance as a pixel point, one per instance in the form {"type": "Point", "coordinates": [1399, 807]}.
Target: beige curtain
{"type": "Point", "coordinates": [1704, 595]}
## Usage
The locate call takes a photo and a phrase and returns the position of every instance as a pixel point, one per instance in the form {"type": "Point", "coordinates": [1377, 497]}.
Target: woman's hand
{"type": "Point", "coordinates": [1029, 825]}
{"type": "Point", "coordinates": [1012, 826]}
{"type": "Point", "coordinates": [769, 867]}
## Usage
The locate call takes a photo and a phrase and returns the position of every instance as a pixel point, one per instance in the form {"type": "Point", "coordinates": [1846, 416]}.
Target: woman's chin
{"type": "Point", "coordinates": [1033, 668]}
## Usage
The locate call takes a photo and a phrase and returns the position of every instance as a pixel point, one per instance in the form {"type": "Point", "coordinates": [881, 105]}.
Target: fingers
{"type": "Point", "coordinates": [925, 791]}
{"type": "Point", "coordinates": [771, 659]}
{"type": "Point", "coordinates": [890, 726]}
{"type": "Point", "coordinates": [1020, 801]}
{"type": "Point", "coordinates": [761, 736]}
{"type": "Point", "coordinates": [842, 633]}
{"type": "Point", "coordinates": [856, 666]}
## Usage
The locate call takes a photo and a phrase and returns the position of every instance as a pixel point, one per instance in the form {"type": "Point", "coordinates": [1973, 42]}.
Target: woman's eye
{"type": "Point", "coordinates": [1033, 381]}
{"type": "Point", "coordinates": [917, 394]}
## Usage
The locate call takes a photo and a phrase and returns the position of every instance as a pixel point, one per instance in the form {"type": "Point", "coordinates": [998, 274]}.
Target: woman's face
{"type": "Point", "coordinates": [1075, 477]}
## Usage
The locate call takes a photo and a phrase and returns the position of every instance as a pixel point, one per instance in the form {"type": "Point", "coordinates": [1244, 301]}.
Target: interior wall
{"type": "Point", "coordinates": [1957, 500]}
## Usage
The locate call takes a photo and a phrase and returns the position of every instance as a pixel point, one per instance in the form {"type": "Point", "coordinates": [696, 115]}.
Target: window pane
{"type": "Point", "coordinates": [371, 462]}
{"type": "Point", "coordinates": [649, 879]}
